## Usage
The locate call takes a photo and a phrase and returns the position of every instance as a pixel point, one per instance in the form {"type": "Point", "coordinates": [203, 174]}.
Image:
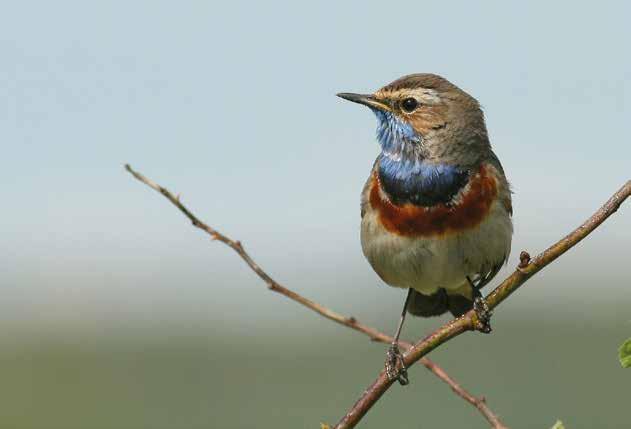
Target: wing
{"type": "Point", "coordinates": [482, 279]}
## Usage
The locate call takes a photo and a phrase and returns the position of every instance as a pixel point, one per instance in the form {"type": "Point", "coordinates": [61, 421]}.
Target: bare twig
{"type": "Point", "coordinates": [351, 322]}
{"type": "Point", "coordinates": [468, 322]}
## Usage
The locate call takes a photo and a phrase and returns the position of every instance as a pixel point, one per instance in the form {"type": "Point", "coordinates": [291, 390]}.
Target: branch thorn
{"type": "Point", "coordinates": [524, 260]}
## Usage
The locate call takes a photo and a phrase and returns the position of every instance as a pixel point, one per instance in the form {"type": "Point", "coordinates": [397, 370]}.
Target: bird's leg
{"type": "Point", "coordinates": [395, 367]}
{"type": "Point", "coordinates": [481, 309]}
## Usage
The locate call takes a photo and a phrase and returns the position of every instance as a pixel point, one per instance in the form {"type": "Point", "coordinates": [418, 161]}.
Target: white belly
{"type": "Point", "coordinates": [429, 263]}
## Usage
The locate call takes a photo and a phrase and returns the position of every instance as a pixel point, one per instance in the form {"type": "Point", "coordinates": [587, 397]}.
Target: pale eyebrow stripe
{"type": "Point", "coordinates": [423, 94]}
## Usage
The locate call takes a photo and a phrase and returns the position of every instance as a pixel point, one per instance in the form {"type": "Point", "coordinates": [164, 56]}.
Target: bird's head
{"type": "Point", "coordinates": [426, 117]}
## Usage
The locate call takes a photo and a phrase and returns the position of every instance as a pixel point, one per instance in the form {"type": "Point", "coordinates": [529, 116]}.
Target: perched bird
{"type": "Point", "coordinates": [436, 209]}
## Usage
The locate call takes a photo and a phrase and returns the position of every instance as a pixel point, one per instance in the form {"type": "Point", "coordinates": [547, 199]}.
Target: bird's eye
{"type": "Point", "coordinates": [409, 104]}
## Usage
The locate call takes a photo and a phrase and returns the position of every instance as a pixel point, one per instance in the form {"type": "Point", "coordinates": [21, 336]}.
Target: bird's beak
{"type": "Point", "coordinates": [365, 99]}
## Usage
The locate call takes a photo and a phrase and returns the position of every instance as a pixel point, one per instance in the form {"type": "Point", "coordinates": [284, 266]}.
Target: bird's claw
{"type": "Point", "coordinates": [395, 367]}
{"type": "Point", "coordinates": [483, 314]}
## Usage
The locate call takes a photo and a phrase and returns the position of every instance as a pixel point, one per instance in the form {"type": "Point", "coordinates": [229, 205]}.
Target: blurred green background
{"type": "Point", "coordinates": [532, 370]}
{"type": "Point", "coordinates": [116, 313]}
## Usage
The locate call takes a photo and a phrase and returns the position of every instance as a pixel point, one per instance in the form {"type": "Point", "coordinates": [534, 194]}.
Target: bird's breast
{"type": "Point", "coordinates": [466, 210]}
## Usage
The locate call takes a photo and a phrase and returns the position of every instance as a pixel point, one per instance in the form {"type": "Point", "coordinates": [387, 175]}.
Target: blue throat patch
{"type": "Point", "coordinates": [395, 136]}
{"type": "Point", "coordinates": [405, 176]}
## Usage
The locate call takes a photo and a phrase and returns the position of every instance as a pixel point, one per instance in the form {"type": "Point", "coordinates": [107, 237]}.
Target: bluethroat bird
{"type": "Point", "coordinates": [436, 209]}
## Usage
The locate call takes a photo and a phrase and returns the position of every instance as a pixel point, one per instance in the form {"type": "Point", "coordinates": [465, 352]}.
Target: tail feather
{"type": "Point", "coordinates": [437, 304]}
{"type": "Point", "coordinates": [459, 305]}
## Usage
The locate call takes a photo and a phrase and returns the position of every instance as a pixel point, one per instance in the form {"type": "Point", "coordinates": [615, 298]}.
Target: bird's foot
{"type": "Point", "coordinates": [395, 367]}
{"type": "Point", "coordinates": [483, 314]}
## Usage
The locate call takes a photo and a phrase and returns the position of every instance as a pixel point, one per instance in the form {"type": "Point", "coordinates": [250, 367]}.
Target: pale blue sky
{"type": "Point", "coordinates": [232, 104]}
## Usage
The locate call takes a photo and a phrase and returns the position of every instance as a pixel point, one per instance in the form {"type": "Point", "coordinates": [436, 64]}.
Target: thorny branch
{"type": "Point", "coordinates": [351, 322]}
